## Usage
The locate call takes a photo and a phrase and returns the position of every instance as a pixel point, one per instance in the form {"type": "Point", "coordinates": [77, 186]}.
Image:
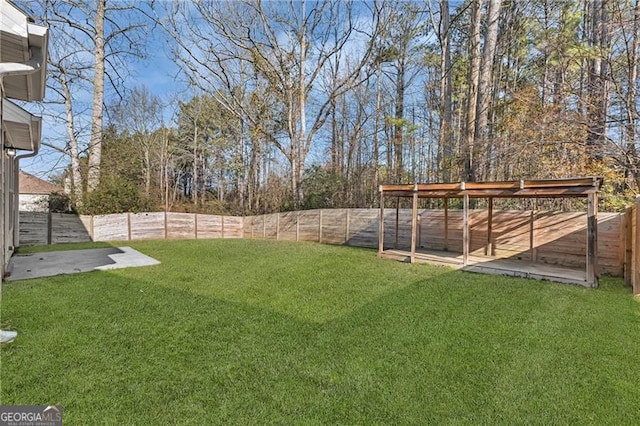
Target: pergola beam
{"type": "Point", "coordinates": [571, 192]}
{"type": "Point", "coordinates": [588, 182]}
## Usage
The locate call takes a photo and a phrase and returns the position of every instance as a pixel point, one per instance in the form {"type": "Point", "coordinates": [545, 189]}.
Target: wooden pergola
{"type": "Point", "coordinates": [587, 187]}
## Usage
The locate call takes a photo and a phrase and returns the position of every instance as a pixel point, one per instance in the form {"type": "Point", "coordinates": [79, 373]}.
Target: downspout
{"type": "Point", "coordinates": [16, 194]}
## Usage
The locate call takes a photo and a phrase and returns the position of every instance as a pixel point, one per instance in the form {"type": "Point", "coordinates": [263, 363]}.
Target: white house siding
{"type": "Point", "coordinates": [34, 203]}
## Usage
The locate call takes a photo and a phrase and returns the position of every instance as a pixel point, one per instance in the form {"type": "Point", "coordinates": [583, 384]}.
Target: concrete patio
{"type": "Point", "coordinates": [38, 265]}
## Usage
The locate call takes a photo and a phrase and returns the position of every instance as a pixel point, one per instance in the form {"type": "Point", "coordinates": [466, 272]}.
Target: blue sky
{"type": "Point", "coordinates": [157, 72]}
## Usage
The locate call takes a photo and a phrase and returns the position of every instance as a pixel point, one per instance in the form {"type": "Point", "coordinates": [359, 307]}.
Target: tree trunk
{"type": "Point", "coordinates": [445, 151]}
{"type": "Point", "coordinates": [95, 141]}
{"type": "Point", "coordinates": [485, 81]}
{"type": "Point", "coordinates": [468, 167]}
{"type": "Point", "coordinates": [335, 149]}
{"type": "Point", "coordinates": [194, 166]}
{"type": "Point", "coordinates": [298, 194]}
{"type": "Point", "coordinates": [376, 131]}
{"type": "Point", "coordinates": [147, 170]}
{"type": "Point", "coordinates": [242, 177]}
{"type": "Point", "coordinates": [598, 90]}
{"type": "Point", "coordinates": [398, 127]}
{"type": "Point", "coordinates": [254, 176]}
{"type": "Point", "coordinates": [632, 97]}
{"type": "Point", "coordinates": [76, 177]}
{"type": "Point", "coordinates": [164, 169]}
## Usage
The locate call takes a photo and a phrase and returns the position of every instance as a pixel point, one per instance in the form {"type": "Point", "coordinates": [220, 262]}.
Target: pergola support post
{"type": "Point", "coordinates": [381, 224]}
{"type": "Point", "coordinates": [490, 228]}
{"type": "Point", "coordinates": [592, 239]}
{"type": "Point", "coordinates": [395, 244]}
{"type": "Point", "coordinates": [465, 229]}
{"type": "Point", "coordinates": [414, 222]}
{"type": "Point", "coordinates": [446, 224]}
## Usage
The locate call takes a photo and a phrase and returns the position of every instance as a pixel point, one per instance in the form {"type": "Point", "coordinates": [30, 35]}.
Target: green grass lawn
{"type": "Point", "coordinates": [256, 332]}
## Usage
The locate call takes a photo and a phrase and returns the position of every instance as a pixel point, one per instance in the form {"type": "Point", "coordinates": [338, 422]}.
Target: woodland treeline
{"type": "Point", "coordinates": [308, 104]}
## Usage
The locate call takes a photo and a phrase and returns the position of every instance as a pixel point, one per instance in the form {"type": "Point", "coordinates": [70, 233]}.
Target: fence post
{"type": "Point", "coordinates": [49, 228]}
{"type": "Point", "coordinates": [222, 226]}
{"type": "Point", "coordinates": [129, 227]}
{"type": "Point", "coordinates": [320, 227]}
{"type": "Point", "coordinates": [277, 226]}
{"type": "Point", "coordinates": [297, 225]}
{"type": "Point", "coordinates": [165, 225]}
{"type": "Point", "coordinates": [532, 236]}
{"type": "Point", "coordinates": [346, 230]}
{"type": "Point", "coordinates": [195, 225]}
{"type": "Point", "coordinates": [635, 278]}
{"type": "Point", "coordinates": [625, 245]}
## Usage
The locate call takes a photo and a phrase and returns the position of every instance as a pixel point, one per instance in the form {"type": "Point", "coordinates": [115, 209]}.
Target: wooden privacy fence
{"type": "Point", "coordinates": [37, 228]}
{"type": "Point", "coordinates": [40, 228]}
{"type": "Point", "coordinates": [632, 244]}
{"type": "Point", "coordinates": [550, 237]}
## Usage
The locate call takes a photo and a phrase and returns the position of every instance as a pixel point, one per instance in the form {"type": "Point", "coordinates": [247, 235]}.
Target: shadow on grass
{"type": "Point", "coordinates": [68, 246]}
{"type": "Point", "coordinates": [307, 281]}
{"type": "Point", "coordinates": [439, 346]}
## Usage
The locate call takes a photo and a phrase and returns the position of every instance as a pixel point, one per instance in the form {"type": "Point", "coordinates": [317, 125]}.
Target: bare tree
{"type": "Point", "coordinates": [74, 152]}
{"type": "Point", "coordinates": [287, 47]}
{"type": "Point", "coordinates": [92, 43]}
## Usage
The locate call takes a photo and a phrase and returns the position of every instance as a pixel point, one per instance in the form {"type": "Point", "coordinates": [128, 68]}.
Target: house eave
{"type": "Point", "coordinates": [23, 56]}
{"type": "Point", "coordinates": [23, 130]}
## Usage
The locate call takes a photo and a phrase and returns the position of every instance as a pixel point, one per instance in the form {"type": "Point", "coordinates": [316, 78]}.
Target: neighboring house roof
{"type": "Point", "coordinates": [30, 184]}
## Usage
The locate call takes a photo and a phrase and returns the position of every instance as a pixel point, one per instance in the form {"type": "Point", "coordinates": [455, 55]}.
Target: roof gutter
{"type": "Point", "coordinates": [23, 68]}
